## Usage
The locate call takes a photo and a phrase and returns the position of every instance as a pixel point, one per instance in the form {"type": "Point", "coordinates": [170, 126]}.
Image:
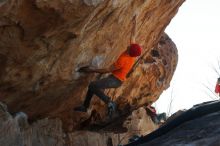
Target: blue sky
{"type": "Point", "coordinates": [195, 30]}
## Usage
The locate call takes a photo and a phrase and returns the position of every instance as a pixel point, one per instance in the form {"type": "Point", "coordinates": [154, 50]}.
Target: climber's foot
{"type": "Point", "coordinates": [80, 109]}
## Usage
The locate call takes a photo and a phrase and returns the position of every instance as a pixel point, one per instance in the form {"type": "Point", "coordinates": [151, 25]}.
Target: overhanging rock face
{"type": "Point", "coordinates": [43, 43]}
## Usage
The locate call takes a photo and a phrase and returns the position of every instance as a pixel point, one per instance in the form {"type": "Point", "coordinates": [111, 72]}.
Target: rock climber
{"type": "Point", "coordinates": [217, 87]}
{"type": "Point", "coordinates": [118, 71]}
{"type": "Point", "coordinates": [156, 118]}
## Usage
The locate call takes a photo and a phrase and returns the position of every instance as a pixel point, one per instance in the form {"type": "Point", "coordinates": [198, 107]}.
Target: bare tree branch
{"type": "Point", "coordinates": [210, 90]}
{"type": "Point", "coordinates": [214, 69]}
{"type": "Point", "coordinates": [170, 105]}
{"type": "Point", "coordinates": [209, 95]}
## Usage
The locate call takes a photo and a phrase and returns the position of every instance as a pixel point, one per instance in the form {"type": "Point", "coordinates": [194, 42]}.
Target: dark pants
{"type": "Point", "coordinates": [97, 88]}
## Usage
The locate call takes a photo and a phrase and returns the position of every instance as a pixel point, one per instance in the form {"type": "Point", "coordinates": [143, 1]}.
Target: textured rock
{"type": "Point", "coordinates": [44, 42]}
{"type": "Point", "coordinates": [138, 123]}
{"type": "Point", "coordinates": [48, 132]}
{"type": "Point", "coordinates": [15, 130]}
{"type": "Point", "coordinates": [93, 2]}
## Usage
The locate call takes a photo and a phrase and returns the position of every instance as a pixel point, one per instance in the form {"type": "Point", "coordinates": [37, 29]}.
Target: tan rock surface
{"type": "Point", "coordinates": [16, 131]}
{"type": "Point", "coordinates": [44, 42]}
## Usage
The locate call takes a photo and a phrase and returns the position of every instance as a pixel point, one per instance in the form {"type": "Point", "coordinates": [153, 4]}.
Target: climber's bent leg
{"type": "Point", "coordinates": [97, 87]}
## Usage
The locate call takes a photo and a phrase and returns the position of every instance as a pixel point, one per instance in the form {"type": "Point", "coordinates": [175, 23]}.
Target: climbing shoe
{"type": "Point", "coordinates": [111, 108]}
{"type": "Point", "coordinates": [80, 109]}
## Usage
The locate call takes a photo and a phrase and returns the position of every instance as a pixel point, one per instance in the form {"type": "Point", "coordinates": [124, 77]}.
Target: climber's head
{"type": "Point", "coordinates": [134, 50]}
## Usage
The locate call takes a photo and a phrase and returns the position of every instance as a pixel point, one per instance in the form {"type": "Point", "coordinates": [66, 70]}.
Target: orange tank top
{"type": "Point", "coordinates": [124, 63]}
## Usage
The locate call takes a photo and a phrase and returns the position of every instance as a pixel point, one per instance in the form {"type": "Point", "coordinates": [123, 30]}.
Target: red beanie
{"type": "Point", "coordinates": [135, 50]}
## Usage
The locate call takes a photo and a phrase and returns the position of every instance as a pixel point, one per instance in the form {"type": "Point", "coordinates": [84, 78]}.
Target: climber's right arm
{"type": "Point", "coordinates": [88, 69]}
